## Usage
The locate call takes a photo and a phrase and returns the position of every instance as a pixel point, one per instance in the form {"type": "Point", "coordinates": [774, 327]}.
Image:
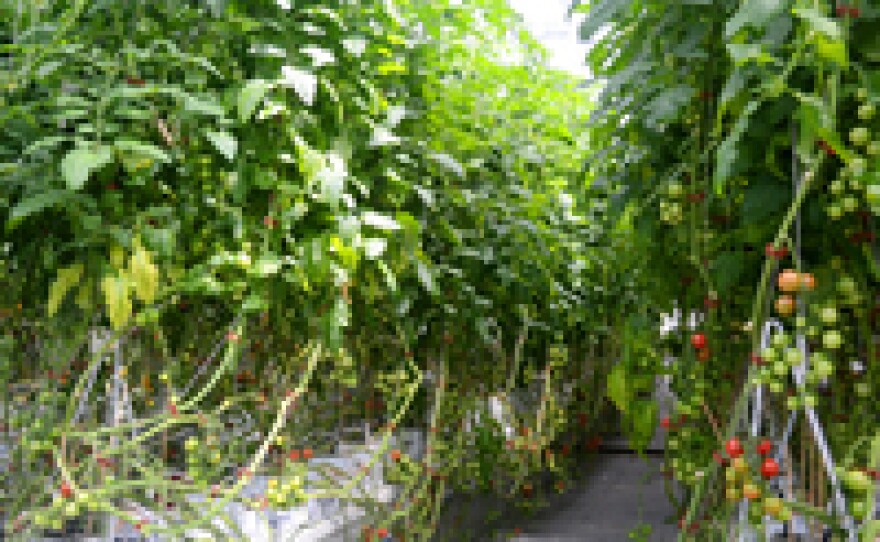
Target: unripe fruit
{"type": "Point", "coordinates": [751, 491]}
{"type": "Point", "coordinates": [832, 339]}
{"type": "Point", "coordinates": [859, 135]}
{"type": "Point", "coordinates": [785, 305]}
{"type": "Point", "coordinates": [828, 315]}
{"type": "Point", "coordinates": [866, 111]}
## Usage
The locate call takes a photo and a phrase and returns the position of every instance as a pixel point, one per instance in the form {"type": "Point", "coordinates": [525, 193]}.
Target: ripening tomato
{"type": "Point", "coordinates": [808, 282]}
{"type": "Point", "coordinates": [66, 492]}
{"type": "Point", "coordinates": [785, 305]}
{"type": "Point", "coordinates": [788, 280]}
{"type": "Point", "coordinates": [703, 355]}
{"type": "Point", "coordinates": [751, 491]}
{"type": "Point", "coordinates": [395, 455]}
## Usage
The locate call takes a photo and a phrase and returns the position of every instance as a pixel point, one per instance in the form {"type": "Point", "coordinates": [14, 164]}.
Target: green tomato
{"type": "Point", "coordinates": [810, 400]}
{"type": "Point", "coordinates": [675, 189]}
{"type": "Point", "coordinates": [874, 148]}
{"type": "Point", "coordinates": [793, 356]}
{"type": "Point", "coordinates": [828, 315]}
{"type": "Point", "coordinates": [832, 339]}
{"type": "Point", "coordinates": [847, 286]}
{"type": "Point", "coordinates": [859, 510]}
{"type": "Point", "coordinates": [768, 355]}
{"type": "Point", "coordinates": [836, 187]}
{"type": "Point", "coordinates": [834, 211]}
{"type": "Point", "coordinates": [824, 369]}
{"type": "Point", "coordinates": [780, 340]}
{"type": "Point", "coordinates": [863, 389]}
{"type": "Point", "coordinates": [792, 402]}
{"type": "Point", "coordinates": [866, 111]}
{"type": "Point", "coordinates": [780, 368]}
{"type": "Point", "coordinates": [857, 480]}
{"type": "Point", "coordinates": [859, 135]}
{"type": "Point", "coordinates": [849, 204]}
{"type": "Point", "coordinates": [872, 194]}
{"type": "Point", "coordinates": [776, 386]}
{"type": "Point", "coordinates": [857, 166]}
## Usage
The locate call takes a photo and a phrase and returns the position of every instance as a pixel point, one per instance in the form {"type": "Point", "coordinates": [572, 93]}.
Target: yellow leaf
{"type": "Point", "coordinates": [117, 299]}
{"type": "Point", "coordinates": [65, 280]}
{"type": "Point", "coordinates": [117, 257]}
{"type": "Point", "coordinates": [144, 274]}
{"type": "Point", "coordinates": [84, 296]}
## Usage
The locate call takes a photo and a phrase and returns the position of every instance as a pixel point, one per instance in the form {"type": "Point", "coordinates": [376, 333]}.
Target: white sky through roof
{"type": "Point", "coordinates": [546, 20]}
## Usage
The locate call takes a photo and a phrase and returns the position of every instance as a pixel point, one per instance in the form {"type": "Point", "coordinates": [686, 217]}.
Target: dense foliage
{"type": "Point", "coordinates": [290, 219]}
{"type": "Point", "coordinates": [741, 139]}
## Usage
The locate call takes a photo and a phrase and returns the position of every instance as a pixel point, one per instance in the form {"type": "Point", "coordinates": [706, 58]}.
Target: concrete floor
{"type": "Point", "coordinates": [619, 493]}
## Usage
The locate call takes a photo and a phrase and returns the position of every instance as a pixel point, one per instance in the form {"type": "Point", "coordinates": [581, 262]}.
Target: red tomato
{"type": "Point", "coordinates": [733, 447]}
{"type": "Point", "coordinates": [764, 447]}
{"type": "Point", "coordinates": [771, 252]}
{"type": "Point", "coordinates": [664, 422]}
{"type": "Point", "coordinates": [698, 341]}
{"type": "Point", "coordinates": [66, 492]}
{"type": "Point", "coordinates": [769, 468]}
{"type": "Point", "coordinates": [307, 453]}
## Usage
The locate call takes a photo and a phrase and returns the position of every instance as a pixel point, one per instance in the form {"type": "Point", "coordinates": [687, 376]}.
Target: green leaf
{"type": "Point", "coordinates": [35, 204]}
{"type": "Point", "coordinates": [833, 50]}
{"type": "Point", "coordinates": [78, 165]}
{"type": "Point", "coordinates": [140, 149]}
{"type": "Point", "coordinates": [425, 277]}
{"type": "Point", "coordinates": [754, 13]}
{"type": "Point", "coordinates": [643, 421]}
{"type": "Point", "coordinates": [251, 96]}
{"type": "Point", "coordinates": [203, 106]}
{"type": "Point", "coordinates": [727, 151]}
{"type": "Point", "coordinates": [742, 52]}
{"type": "Point", "coordinates": [727, 268]}
{"type": "Point", "coordinates": [223, 142]}
{"type": "Point", "coordinates": [764, 200]}
{"type": "Point", "coordinates": [616, 386]}
{"type": "Point", "coordinates": [819, 23]}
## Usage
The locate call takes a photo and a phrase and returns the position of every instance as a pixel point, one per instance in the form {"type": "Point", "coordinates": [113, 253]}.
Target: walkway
{"type": "Point", "coordinates": [620, 492]}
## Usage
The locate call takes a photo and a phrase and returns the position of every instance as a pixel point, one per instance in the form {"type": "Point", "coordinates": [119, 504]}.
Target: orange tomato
{"type": "Point", "coordinates": [788, 280]}
{"type": "Point", "coordinates": [785, 305]}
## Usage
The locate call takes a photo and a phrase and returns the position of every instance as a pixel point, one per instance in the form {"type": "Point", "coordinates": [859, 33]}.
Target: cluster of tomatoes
{"type": "Point", "coordinates": [742, 484]}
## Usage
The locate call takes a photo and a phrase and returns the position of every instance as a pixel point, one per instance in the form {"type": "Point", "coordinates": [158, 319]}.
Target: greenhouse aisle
{"type": "Point", "coordinates": [621, 492]}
